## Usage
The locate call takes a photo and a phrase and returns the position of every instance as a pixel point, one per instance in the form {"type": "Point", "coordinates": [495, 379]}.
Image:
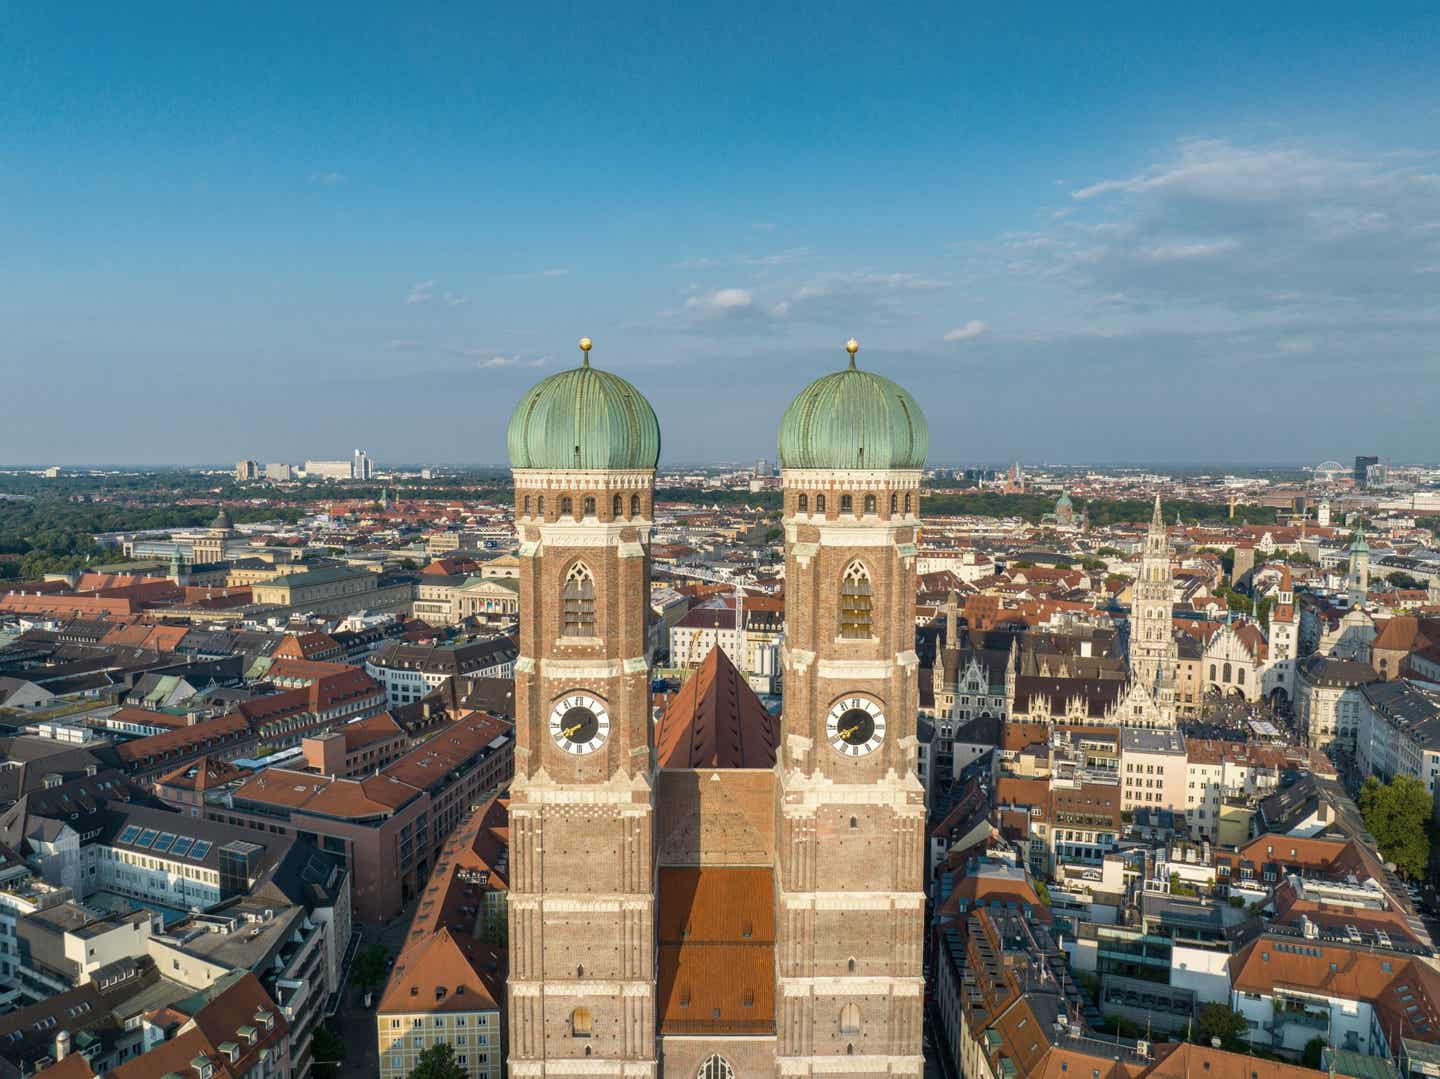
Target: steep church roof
{"type": "Point", "coordinates": [717, 721]}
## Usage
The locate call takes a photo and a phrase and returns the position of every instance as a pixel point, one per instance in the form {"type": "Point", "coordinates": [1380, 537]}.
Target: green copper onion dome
{"type": "Point", "coordinates": [584, 418]}
{"type": "Point", "coordinates": [853, 419]}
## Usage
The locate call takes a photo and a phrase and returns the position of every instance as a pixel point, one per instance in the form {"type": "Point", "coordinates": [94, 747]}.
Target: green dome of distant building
{"type": "Point", "coordinates": [1063, 503]}
{"type": "Point", "coordinates": [584, 418]}
{"type": "Point", "coordinates": [222, 519]}
{"type": "Point", "coordinates": [853, 419]}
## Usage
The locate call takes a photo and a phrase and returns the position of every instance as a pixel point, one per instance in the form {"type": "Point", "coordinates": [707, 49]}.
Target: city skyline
{"type": "Point", "coordinates": [1206, 238]}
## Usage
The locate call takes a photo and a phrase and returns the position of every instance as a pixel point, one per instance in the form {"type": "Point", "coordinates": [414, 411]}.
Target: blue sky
{"type": "Point", "coordinates": [1083, 233]}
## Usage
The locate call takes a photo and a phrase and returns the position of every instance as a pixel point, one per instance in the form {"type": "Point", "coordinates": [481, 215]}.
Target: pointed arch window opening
{"type": "Point", "coordinates": [804, 504]}
{"type": "Point", "coordinates": [869, 505]}
{"type": "Point", "coordinates": [856, 603]}
{"type": "Point", "coordinates": [579, 602]}
{"type": "Point", "coordinates": [634, 505]}
{"type": "Point", "coordinates": [617, 507]}
{"type": "Point", "coordinates": [850, 1019]}
{"type": "Point", "coordinates": [715, 1067]}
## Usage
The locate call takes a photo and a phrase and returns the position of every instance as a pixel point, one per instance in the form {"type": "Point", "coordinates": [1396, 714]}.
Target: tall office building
{"type": "Point", "coordinates": [1362, 471]}
{"type": "Point", "coordinates": [361, 469]}
{"type": "Point", "coordinates": [245, 471]}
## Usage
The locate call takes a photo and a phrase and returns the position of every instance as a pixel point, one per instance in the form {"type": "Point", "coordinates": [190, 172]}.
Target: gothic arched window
{"type": "Point", "coordinates": [855, 602]}
{"type": "Point", "coordinates": [804, 505]}
{"type": "Point", "coordinates": [634, 505]}
{"type": "Point", "coordinates": [819, 503]}
{"type": "Point", "coordinates": [617, 507]}
{"type": "Point", "coordinates": [1212, 672]}
{"type": "Point", "coordinates": [715, 1067]}
{"type": "Point", "coordinates": [567, 506]}
{"type": "Point", "coordinates": [850, 1019]}
{"type": "Point", "coordinates": [588, 506]}
{"type": "Point", "coordinates": [894, 503]}
{"type": "Point", "coordinates": [1227, 672]}
{"type": "Point", "coordinates": [581, 1023]}
{"type": "Point", "coordinates": [527, 505]}
{"type": "Point", "coordinates": [542, 506]}
{"type": "Point", "coordinates": [907, 503]}
{"type": "Point", "coordinates": [1240, 675]}
{"type": "Point", "coordinates": [579, 605]}
{"type": "Point", "coordinates": [869, 504]}
{"type": "Point", "coordinates": [847, 504]}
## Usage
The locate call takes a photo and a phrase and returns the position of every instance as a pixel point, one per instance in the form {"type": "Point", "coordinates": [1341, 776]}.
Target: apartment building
{"type": "Point", "coordinates": [410, 671]}
{"type": "Point", "coordinates": [1398, 733]}
{"type": "Point", "coordinates": [448, 981]}
{"type": "Point", "coordinates": [391, 825]}
{"type": "Point", "coordinates": [1328, 701]}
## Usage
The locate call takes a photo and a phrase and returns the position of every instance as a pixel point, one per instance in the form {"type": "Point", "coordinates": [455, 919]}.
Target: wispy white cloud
{"type": "Point", "coordinates": [403, 345]}
{"type": "Point", "coordinates": [328, 179]}
{"type": "Point", "coordinates": [511, 361]}
{"type": "Point", "coordinates": [421, 292]}
{"type": "Point", "coordinates": [773, 258]}
{"type": "Point", "coordinates": [722, 302]}
{"type": "Point", "coordinates": [453, 299]}
{"type": "Point", "coordinates": [969, 330]}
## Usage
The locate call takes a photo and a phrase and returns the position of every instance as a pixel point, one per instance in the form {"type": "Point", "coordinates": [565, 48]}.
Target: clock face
{"type": "Point", "coordinates": [855, 726]}
{"type": "Point", "coordinates": [579, 723]}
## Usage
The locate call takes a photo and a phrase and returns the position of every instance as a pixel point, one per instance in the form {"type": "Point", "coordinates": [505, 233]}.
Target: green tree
{"type": "Point", "coordinates": [1397, 814]}
{"type": "Point", "coordinates": [1227, 560]}
{"type": "Point", "coordinates": [1043, 891]}
{"type": "Point", "coordinates": [438, 1062]}
{"type": "Point", "coordinates": [1223, 1022]}
{"type": "Point", "coordinates": [328, 1051]}
{"type": "Point", "coordinates": [1092, 564]}
{"type": "Point", "coordinates": [1404, 580]}
{"type": "Point", "coordinates": [1110, 552]}
{"type": "Point", "coordinates": [1314, 1053]}
{"type": "Point", "coordinates": [370, 968]}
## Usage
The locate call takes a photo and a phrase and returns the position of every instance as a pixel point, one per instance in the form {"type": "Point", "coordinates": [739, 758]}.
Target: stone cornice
{"type": "Point", "coordinates": [854, 479]}
{"type": "Point", "coordinates": [583, 479]}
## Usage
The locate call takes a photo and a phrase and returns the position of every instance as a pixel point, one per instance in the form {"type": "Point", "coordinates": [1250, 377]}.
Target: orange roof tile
{"type": "Point", "coordinates": [716, 928]}
{"type": "Point", "coordinates": [716, 721]}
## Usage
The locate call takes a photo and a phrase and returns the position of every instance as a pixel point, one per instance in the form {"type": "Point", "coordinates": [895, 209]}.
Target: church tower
{"type": "Point", "coordinates": [850, 828]}
{"type": "Point", "coordinates": [583, 446]}
{"type": "Point", "coordinates": [1153, 655]}
{"type": "Point", "coordinates": [1357, 581]}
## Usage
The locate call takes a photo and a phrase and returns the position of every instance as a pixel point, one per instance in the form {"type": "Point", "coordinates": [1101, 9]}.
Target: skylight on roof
{"type": "Point", "coordinates": [147, 837]}
{"type": "Point", "coordinates": [129, 834]}
{"type": "Point", "coordinates": [163, 843]}
{"type": "Point", "coordinates": [201, 848]}
{"type": "Point", "coordinates": [182, 844]}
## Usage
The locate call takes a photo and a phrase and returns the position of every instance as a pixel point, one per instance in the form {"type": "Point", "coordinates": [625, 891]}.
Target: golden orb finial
{"type": "Point", "coordinates": [852, 346]}
{"type": "Point", "coordinates": [585, 346]}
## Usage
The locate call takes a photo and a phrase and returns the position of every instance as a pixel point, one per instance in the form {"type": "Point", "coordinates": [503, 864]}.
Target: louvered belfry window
{"type": "Point", "coordinates": [855, 603]}
{"type": "Point", "coordinates": [579, 602]}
